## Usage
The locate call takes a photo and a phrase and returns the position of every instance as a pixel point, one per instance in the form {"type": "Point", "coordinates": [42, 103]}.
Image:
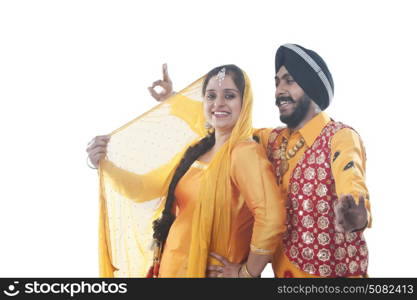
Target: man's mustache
{"type": "Point", "coordinates": [279, 100]}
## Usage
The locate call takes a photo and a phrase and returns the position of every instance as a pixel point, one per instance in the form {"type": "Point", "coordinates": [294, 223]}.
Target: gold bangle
{"type": "Point", "coordinates": [245, 272]}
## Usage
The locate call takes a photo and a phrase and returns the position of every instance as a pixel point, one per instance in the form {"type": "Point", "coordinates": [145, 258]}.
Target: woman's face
{"type": "Point", "coordinates": [222, 103]}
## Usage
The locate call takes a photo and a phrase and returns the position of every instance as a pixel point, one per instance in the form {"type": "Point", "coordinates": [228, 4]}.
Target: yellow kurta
{"type": "Point", "coordinates": [352, 181]}
{"type": "Point", "coordinates": [258, 213]}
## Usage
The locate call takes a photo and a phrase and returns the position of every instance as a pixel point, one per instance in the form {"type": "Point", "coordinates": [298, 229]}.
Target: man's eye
{"type": "Point", "coordinates": [290, 81]}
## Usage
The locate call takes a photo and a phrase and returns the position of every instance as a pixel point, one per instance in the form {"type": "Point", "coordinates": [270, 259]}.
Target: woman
{"type": "Point", "coordinates": [222, 198]}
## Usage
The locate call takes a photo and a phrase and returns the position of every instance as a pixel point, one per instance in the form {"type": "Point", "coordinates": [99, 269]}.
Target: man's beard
{"type": "Point", "coordinates": [298, 114]}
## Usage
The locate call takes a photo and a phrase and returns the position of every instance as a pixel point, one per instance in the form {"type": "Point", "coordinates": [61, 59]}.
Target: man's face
{"type": "Point", "coordinates": [291, 100]}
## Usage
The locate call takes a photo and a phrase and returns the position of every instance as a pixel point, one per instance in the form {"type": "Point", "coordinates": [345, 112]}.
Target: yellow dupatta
{"type": "Point", "coordinates": [134, 176]}
{"type": "Point", "coordinates": [211, 220]}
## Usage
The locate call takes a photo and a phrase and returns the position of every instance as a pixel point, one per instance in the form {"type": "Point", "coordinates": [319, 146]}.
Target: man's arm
{"type": "Point", "coordinates": [348, 164]}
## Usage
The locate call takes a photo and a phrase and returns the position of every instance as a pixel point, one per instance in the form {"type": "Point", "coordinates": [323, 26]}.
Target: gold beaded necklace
{"type": "Point", "coordinates": [286, 156]}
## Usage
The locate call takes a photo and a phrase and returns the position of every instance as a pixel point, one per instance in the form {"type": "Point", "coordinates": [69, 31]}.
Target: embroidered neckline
{"type": "Point", "coordinates": [199, 165]}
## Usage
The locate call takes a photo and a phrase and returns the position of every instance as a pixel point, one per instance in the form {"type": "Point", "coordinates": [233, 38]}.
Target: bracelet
{"type": "Point", "coordinates": [89, 164]}
{"type": "Point", "coordinates": [245, 272]}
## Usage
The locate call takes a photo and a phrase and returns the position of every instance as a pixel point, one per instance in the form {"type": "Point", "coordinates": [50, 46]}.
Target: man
{"type": "Point", "coordinates": [320, 168]}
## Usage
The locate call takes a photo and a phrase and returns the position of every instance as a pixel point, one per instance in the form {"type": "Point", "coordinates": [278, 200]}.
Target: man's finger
{"type": "Point", "coordinates": [338, 201]}
{"type": "Point", "coordinates": [361, 202]}
{"type": "Point", "coordinates": [350, 201]}
{"type": "Point", "coordinates": [338, 208]}
{"type": "Point", "coordinates": [220, 258]}
{"type": "Point", "coordinates": [345, 203]}
{"type": "Point", "coordinates": [336, 204]}
{"type": "Point", "coordinates": [339, 227]}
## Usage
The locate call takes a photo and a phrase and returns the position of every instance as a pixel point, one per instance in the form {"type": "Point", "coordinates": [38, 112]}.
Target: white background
{"type": "Point", "coordinates": [70, 70]}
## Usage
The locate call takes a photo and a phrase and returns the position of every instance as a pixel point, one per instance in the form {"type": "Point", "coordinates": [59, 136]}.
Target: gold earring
{"type": "Point", "coordinates": [209, 128]}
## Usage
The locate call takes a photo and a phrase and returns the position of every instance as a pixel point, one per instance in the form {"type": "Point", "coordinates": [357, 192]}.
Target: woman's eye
{"type": "Point", "coordinates": [210, 96]}
{"type": "Point", "coordinates": [290, 81]}
{"type": "Point", "coordinates": [230, 96]}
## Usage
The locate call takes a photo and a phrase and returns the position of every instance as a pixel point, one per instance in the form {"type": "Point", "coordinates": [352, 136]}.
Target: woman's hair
{"type": "Point", "coordinates": [232, 70]}
{"type": "Point", "coordinates": [162, 225]}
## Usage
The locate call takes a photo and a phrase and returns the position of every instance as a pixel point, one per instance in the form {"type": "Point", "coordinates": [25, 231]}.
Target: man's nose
{"type": "Point", "coordinates": [280, 91]}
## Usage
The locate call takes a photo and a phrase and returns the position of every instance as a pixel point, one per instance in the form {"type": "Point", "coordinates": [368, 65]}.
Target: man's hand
{"type": "Point", "coordinates": [350, 217]}
{"type": "Point", "coordinates": [165, 84]}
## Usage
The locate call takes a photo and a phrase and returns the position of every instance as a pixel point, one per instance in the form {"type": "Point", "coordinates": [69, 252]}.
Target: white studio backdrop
{"type": "Point", "coordinates": [70, 70]}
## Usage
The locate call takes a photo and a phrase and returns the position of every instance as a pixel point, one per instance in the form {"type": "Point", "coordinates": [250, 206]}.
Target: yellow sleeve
{"type": "Point", "coordinates": [139, 188]}
{"type": "Point", "coordinates": [348, 161]}
{"type": "Point", "coordinates": [263, 134]}
{"type": "Point", "coordinates": [252, 174]}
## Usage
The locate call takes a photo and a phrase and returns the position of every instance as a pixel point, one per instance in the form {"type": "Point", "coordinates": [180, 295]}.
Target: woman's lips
{"type": "Point", "coordinates": [221, 114]}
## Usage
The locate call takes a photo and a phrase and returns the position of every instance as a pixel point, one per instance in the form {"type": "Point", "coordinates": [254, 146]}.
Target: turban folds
{"type": "Point", "coordinates": [309, 71]}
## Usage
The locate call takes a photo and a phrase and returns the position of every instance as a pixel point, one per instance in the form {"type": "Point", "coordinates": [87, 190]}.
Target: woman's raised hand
{"type": "Point", "coordinates": [165, 84]}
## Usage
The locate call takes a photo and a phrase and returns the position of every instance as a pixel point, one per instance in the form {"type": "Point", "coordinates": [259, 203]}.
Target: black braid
{"type": "Point", "coordinates": [162, 225]}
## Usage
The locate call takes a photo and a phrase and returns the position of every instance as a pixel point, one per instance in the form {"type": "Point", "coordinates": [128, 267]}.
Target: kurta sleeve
{"type": "Point", "coordinates": [263, 135]}
{"type": "Point", "coordinates": [139, 188]}
{"type": "Point", "coordinates": [253, 176]}
{"type": "Point", "coordinates": [348, 162]}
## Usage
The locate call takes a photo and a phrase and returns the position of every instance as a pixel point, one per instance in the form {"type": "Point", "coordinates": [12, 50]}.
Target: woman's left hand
{"type": "Point", "coordinates": [228, 270]}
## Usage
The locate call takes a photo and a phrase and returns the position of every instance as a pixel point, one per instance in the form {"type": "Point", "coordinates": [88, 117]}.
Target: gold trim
{"type": "Point", "coordinates": [199, 165]}
{"type": "Point", "coordinates": [260, 251]}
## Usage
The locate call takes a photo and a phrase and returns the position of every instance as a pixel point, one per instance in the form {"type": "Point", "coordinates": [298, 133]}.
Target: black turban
{"type": "Point", "coordinates": [309, 71]}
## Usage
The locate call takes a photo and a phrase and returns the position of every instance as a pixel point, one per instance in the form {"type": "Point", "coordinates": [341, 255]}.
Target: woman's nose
{"type": "Point", "coordinates": [219, 101]}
